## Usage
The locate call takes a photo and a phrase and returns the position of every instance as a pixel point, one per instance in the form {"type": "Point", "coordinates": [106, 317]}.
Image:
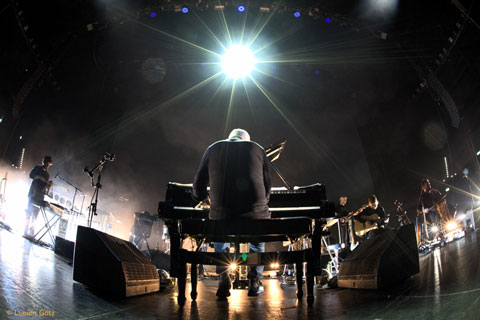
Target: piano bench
{"type": "Point", "coordinates": [242, 231]}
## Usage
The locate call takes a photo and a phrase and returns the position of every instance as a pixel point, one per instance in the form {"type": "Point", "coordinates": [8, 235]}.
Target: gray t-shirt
{"type": "Point", "coordinates": [238, 173]}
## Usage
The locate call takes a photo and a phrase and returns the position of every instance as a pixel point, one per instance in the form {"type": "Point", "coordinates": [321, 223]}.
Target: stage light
{"type": "Point", "coordinates": [451, 226]}
{"type": "Point", "coordinates": [241, 8]}
{"type": "Point", "coordinates": [296, 14]}
{"type": "Point", "coordinates": [233, 266]}
{"type": "Point", "coordinates": [328, 20]}
{"type": "Point", "coordinates": [434, 229]}
{"type": "Point", "coordinates": [447, 189]}
{"type": "Point", "coordinates": [153, 14]}
{"type": "Point", "coordinates": [184, 10]}
{"type": "Point", "coordinates": [274, 265]}
{"type": "Point", "coordinates": [478, 153]}
{"type": "Point", "coordinates": [244, 256]}
{"type": "Point", "coordinates": [238, 61]}
{"type": "Point", "coordinates": [461, 217]}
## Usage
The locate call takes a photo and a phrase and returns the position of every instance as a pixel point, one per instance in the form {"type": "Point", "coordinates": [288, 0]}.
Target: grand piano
{"type": "Point", "coordinates": [297, 212]}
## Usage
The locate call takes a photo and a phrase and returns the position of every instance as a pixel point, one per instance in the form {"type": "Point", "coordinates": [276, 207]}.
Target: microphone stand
{"type": "Point", "coordinates": [75, 192]}
{"type": "Point", "coordinates": [92, 211]}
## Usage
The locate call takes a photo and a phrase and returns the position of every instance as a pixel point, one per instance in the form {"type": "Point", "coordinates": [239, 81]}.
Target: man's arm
{"type": "Point", "coordinates": [200, 181]}
{"type": "Point", "coordinates": [436, 195]}
{"type": "Point", "coordinates": [381, 212]}
{"type": "Point", "coordinates": [36, 173]}
{"type": "Point", "coordinates": [266, 176]}
{"type": "Point", "coordinates": [420, 205]}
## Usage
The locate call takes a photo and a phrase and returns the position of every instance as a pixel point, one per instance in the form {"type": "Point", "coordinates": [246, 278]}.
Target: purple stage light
{"type": "Point", "coordinates": [184, 10]}
{"type": "Point", "coordinates": [328, 20]}
{"type": "Point", "coordinates": [153, 14]}
{"type": "Point", "coordinates": [296, 14]}
{"type": "Point", "coordinates": [241, 8]}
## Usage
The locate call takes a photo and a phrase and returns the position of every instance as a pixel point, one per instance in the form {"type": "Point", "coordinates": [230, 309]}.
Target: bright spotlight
{"type": "Point", "coordinates": [184, 10]}
{"type": "Point", "coordinates": [296, 14]}
{"type": "Point", "coordinates": [238, 61]}
{"type": "Point", "coordinates": [461, 217]}
{"type": "Point", "coordinates": [274, 265]}
{"type": "Point", "coordinates": [241, 8]}
{"type": "Point", "coordinates": [434, 229]}
{"type": "Point", "coordinates": [451, 226]}
{"type": "Point", "coordinates": [233, 266]}
{"type": "Point", "coordinates": [328, 20]}
{"type": "Point", "coordinates": [153, 14]}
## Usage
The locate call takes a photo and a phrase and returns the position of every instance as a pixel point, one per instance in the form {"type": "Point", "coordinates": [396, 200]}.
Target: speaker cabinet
{"type": "Point", "coordinates": [381, 260]}
{"type": "Point", "coordinates": [64, 248]}
{"type": "Point", "coordinates": [112, 265]}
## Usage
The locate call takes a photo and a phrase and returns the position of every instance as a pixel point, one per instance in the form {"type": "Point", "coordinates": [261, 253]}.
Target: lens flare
{"type": "Point", "coordinates": [238, 61]}
{"type": "Point", "coordinates": [452, 225]}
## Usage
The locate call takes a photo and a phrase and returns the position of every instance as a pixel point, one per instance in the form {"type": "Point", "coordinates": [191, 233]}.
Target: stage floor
{"type": "Point", "coordinates": [37, 284]}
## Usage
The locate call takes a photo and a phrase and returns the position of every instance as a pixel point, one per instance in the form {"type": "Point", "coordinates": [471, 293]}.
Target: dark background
{"type": "Point", "coordinates": [353, 97]}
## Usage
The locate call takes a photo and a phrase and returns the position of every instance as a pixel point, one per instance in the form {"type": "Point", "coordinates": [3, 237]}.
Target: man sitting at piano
{"type": "Point", "coordinates": [237, 171]}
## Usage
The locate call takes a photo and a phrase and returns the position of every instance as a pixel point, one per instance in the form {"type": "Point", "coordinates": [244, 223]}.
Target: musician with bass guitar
{"type": "Point", "coordinates": [40, 186]}
{"type": "Point", "coordinates": [432, 205]}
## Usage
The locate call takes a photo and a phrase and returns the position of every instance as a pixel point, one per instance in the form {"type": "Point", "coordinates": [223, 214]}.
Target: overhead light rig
{"type": "Point", "coordinates": [292, 8]}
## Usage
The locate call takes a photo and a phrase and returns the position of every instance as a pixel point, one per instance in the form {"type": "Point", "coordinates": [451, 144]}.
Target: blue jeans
{"type": "Point", "coordinates": [253, 272]}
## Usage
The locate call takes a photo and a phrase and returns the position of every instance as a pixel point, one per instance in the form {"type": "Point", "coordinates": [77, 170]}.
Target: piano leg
{"type": "Point", "coordinates": [178, 266]}
{"type": "Point", "coordinates": [299, 277]}
{"type": "Point", "coordinates": [193, 275]}
{"type": "Point", "coordinates": [309, 282]}
{"type": "Point", "coordinates": [317, 247]}
{"type": "Point", "coordinates": [182, 282]}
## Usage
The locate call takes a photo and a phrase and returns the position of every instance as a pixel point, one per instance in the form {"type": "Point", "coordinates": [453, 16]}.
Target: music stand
{"type": "Point", "coordinates": [273, 153]}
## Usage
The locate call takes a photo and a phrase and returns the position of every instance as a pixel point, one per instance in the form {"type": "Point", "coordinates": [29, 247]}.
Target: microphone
{"type": "Point", "coordinates": [109, 156]}
{"type": "Point", "coordinates": [88, 172]}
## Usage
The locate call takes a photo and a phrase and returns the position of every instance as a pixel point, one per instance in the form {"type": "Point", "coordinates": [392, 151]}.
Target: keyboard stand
{"type": "Point", "coordinates": [47, 226]}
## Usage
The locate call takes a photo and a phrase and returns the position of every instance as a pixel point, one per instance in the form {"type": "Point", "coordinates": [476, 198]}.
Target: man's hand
{"type": "Point", "coordinates": [203, 205]}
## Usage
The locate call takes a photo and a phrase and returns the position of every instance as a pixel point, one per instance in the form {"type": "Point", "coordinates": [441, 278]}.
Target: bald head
{"type": "Point", "coordinates": [239, 134]}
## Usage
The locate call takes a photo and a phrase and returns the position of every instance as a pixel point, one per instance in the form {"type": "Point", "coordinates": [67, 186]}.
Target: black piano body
{"type": "Point", "coordinates": [307, 201]}
{"type": "Point", "coordinates": [298, 212]}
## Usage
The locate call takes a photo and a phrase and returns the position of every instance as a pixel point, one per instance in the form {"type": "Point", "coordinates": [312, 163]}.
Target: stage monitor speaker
{"type": "Point", "coordinates": [385, 258]}
{"type": "Point", "coordinates": [64, 248]}
{"type": "Point", "coordinates": [112, 265]}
